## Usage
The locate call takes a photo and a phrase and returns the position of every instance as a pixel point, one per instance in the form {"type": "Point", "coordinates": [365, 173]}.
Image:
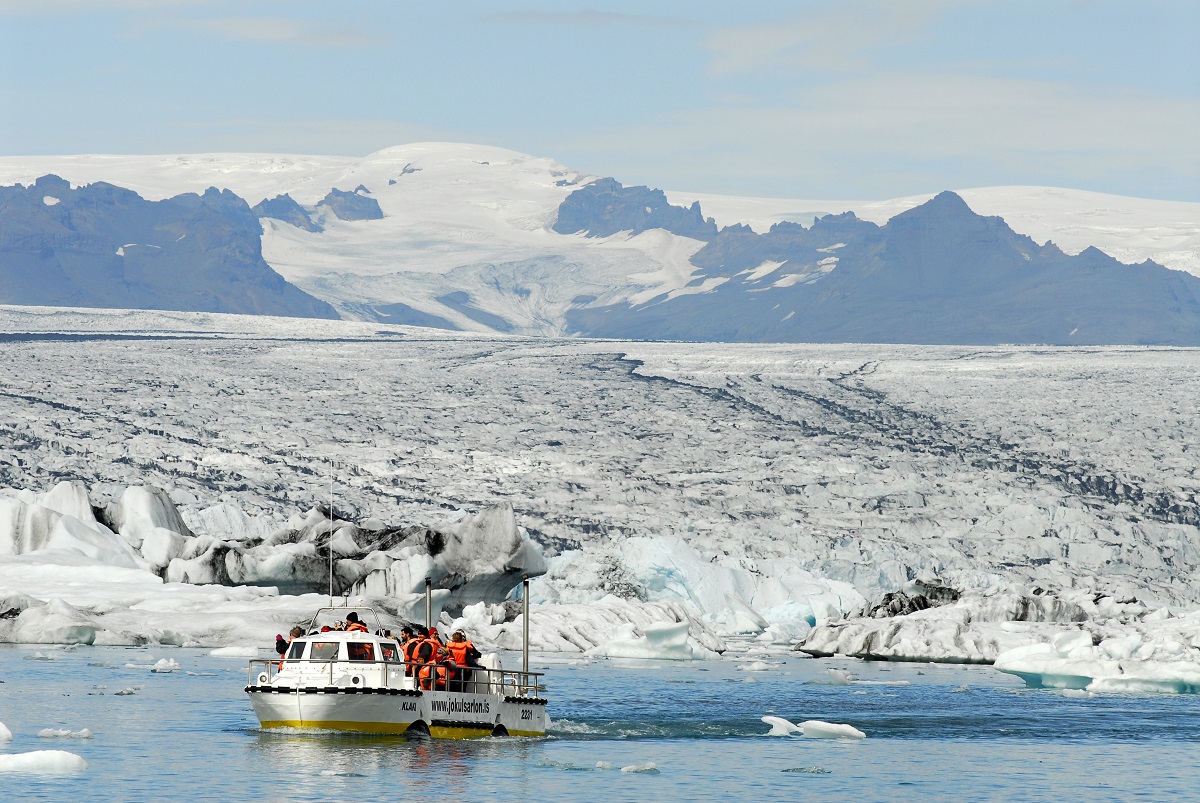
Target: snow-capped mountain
{"type": "Point", "coordinates": [467, 237]}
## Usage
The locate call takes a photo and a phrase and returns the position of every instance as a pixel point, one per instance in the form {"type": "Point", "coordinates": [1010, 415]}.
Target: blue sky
{"type": "Point", "coordinates": [807, 99]}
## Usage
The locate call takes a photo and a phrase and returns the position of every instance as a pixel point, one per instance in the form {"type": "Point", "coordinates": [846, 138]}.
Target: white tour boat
{"type": "Point", "coordinates": [359, 681]}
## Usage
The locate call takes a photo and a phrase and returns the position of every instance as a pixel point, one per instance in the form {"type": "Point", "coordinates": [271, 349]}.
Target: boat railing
{"type": "Point", "coordinates": [471, 679]}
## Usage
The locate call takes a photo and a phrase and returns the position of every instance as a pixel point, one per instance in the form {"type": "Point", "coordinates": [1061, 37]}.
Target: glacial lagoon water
{"type": "Point", "coordinates": [951, 733]}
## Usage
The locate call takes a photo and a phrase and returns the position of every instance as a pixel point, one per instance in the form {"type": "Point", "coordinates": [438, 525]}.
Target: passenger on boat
{"type": "Point", "coordinates": [432, 675]}
{"type": "Point", "coordinates": [353, 625]}
{"type": "Point", "coordinates": [464, 656]}
{"type": "Point", "coordinates": [408, 643]}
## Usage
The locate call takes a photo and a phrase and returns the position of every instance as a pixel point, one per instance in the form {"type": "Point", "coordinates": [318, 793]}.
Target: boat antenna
{"type": "Point", "coordinates": [331, 531]}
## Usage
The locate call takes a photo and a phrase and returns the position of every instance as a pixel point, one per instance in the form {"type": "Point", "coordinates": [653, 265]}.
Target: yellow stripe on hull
{"type": "Point", "coordinates": [455, 732]}
{"type": "Point", "coordinates": [339, 725]}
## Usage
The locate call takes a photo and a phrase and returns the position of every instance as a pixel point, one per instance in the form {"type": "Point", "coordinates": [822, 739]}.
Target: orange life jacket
{"type": "Point", "coordinates": [356, 627]}
{"type": "Point", "coordinates": [459, 650]}
{"type": "Point", "coordinates": [427, 675]}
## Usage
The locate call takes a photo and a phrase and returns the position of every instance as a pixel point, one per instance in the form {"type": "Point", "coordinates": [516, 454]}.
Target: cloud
{"type": "Point", "coordinates": [833, 37]}
{"type": "Point", "coordinates": [276, 30]}
{"type": "Point", "coordinates": [591, 19]}
{"type": "Point", "coordinates": [890, 135]}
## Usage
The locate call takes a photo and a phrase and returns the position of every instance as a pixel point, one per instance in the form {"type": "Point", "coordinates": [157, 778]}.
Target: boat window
{"type": "Point", "coordinates": [324, 650]}
{"type": "Point", "coordinates": [296, 650]}
{"type": "Point", "coordinates": [360, 651]}
{"type": "Point", "coordinates": [391, 652]}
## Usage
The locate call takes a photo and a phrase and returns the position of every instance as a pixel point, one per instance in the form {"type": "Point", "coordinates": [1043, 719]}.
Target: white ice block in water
{"type": "Point", "coordinates": [663, 642]}
{"type": "Point", "coordinates": [816, 729]}
{"type": "Point", "coordinates": [44, 761]}
{"type": "Point", "coordinates": [64, 733]}
{"type": "Point", "coordinates": [780, 726]}
{"type": "Point", "coordinates": [5, 733]}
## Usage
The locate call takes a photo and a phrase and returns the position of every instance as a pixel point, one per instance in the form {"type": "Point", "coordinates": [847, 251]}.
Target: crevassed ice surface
{"type": "Point", "coordinates": [868, 464]}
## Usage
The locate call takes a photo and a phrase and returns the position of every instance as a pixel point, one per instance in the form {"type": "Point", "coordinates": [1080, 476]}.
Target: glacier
{"type": "Point", "coordinates": [756, 498]}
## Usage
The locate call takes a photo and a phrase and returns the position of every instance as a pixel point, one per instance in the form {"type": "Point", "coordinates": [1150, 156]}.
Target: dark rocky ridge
{"type": "Point", "coordinates": [604, 208]}
{"type": "Point", "coordinates": [104, 246]}
{"type": "Point", "coordinates": [352, 205]}
{"type": "Point", "coordinates": [936, 274]}
{"type": "Point", "coordinates": [284, 207]}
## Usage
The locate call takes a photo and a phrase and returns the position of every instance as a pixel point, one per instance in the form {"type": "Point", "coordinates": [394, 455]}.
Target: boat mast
{"type": "Point", "coordinates": [331, 532]}
{"type": "Point", "coordinates": [525, 629]}
{"type": "Point", "coordinates": [428, 604]}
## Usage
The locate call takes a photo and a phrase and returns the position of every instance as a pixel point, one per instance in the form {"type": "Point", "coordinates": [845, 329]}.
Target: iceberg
{"type": "Point", "coordinates": [42, 761]}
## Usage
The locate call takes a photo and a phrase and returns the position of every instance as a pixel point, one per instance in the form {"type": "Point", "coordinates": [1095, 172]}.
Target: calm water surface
{"type": "Point", "coordinates": [954, 733]}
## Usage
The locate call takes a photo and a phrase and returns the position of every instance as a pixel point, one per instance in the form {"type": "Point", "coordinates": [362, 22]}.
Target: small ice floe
{"type": "Point", "coordinates": [5, 733]}
{"type": "Point", "coordinates": [645, 767]}
{"type": "Point", "coordinates": [236, 651]}
{"type": "Point", "coordinates": [808, 770]}
{"type": "Point", "coordinates": [963, 689]}
{"type": "Point", "coordinates": [164, 665]}
{"type": "Point", "coordinates": [780, 726]}
{"type": "Point", "coordinates": [192, 674]}
{"type": "Point", "coordinates": [1081, 694]}
{"type": "Point", "coordinates": [756, 666]}
{"type": "Point", "coordinates": [834, 677]}
{"type": "Point", "coordinates": [816, 729]}
{"type": "Point", "coordinates": [65, 733]}
{"type": "Point", "coordinates": [42, 761]}
{"type": "Point", "coordinates": [605, 765]}
{"type": "Point", "coordinates": [41, 656]}
{"type": "Point", "coordinates": [128, 691]}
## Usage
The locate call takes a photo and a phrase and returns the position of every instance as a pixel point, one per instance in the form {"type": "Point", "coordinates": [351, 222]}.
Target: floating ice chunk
{"type": "Point", "coordinates": [65, 733]}
{"type": "Point", "coordinates": [5, 733]}
{"type": "Point", "coordinates": [1078, 693]}
{"type": "Point", "coordinates": [836, 677]}
{"type": "Point", "coordinates": [661, 642]}
{"type": "Point", "coordinates": [816, 729]}
{"type": "Point", "coordinates": [757, 666]}
{"type": "Point", "coordinates": [646, 767]}
{"type": "Point", "coordinates": [605, 765]}
{"type": "Point", "coordinates": [237, 651]}
{"type": "Point", "coordinates": [42, 761]}
{"type": "Point", "coordinates": [161, 665]}
{"type": "Point", "coordinates": [780, 726]}
{"type": "Point", "coordinates": [809, 770]}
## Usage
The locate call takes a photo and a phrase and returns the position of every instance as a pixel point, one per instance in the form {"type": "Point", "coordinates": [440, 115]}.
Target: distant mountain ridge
{"type": "Point", "coordinates": [103, 246]}
{"type": "Point", "coordinates": [938, 273]}
{"type": "Point", "coordinates": [479, 238]}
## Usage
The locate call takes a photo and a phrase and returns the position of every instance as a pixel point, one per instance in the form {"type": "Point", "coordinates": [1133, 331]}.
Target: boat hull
{"type": "Point", "coordinates": [443, 714]}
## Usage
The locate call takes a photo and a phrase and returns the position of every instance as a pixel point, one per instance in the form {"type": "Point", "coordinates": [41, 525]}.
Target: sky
{"type": "Point", "coordinates": [836, 99]}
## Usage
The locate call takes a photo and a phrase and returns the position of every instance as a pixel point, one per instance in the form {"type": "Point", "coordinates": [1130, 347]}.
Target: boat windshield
{"type": "Point", "coordinates": [360, 651]}
{"type": "Point", "coordinates": [391, 652]}
{"type": "Point", "coordinates": [324, 651]}
{"type": "Point", "coordinates": [296, 650]}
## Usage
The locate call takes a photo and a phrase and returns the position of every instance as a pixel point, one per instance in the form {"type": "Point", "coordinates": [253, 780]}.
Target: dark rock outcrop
{"type": "Point", "coordinates": [284, 207]}
{"type": "Point", "coordinates": [355, 205]}
{"type": "Point", "coordinates": [604, 208]}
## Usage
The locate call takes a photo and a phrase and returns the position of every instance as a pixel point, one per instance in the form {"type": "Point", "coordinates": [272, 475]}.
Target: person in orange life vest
{"type": "Point", "coordinates": [353, 625]}
{"type": "Point", "coordinates": [408, 644]}
{"type": "Point", "coordinates": [433, 674]}
{"type": "Point", "coordinates": [464, 655]}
